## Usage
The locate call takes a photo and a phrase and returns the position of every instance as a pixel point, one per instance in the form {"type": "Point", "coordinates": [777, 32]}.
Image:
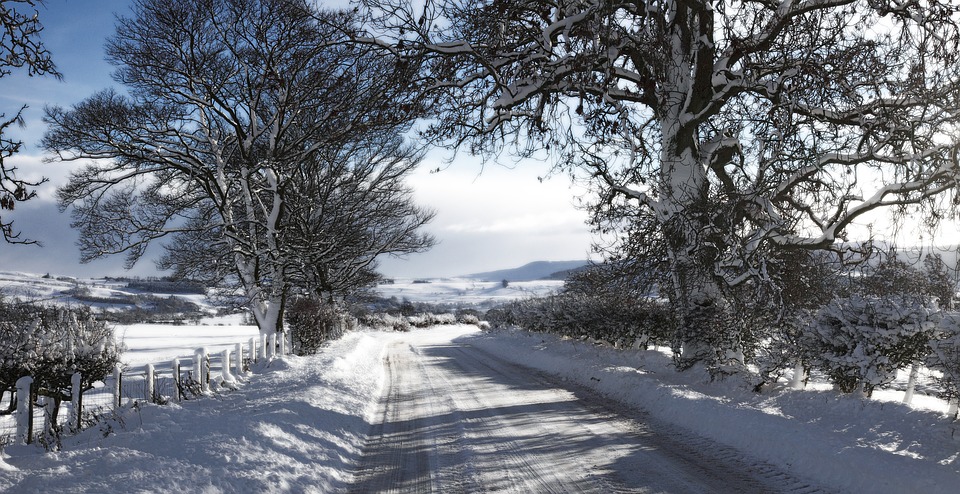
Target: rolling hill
{"type": "Point", "coordinates": [533, 271]}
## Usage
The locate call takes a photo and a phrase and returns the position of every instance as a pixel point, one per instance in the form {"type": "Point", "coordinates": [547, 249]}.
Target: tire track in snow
{"type": "Point", "coordinates": [410, 448]}
{"type": "Point", "coordinates": [698, 452]}
{"type": "Point", "coordinates": [455, 419]}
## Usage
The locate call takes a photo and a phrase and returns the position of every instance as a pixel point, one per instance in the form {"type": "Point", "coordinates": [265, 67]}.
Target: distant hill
{"type": "Point", "coordinates": [529, 272]}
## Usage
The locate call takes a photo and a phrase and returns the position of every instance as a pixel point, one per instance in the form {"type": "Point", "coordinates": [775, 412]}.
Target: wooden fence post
{"type": "Point", "coordinates": [150, 392]}
{"type": "Point", "coordinates": [206, 369]}
{"type": "Point", "coordinates": [239, 364]}
{"type": "Point", "coordinates": [273, 345]}
{"type": "Point", "coordinates": [253, 351]}
{"type": "Point", "coordinates": [25, 410]}
{"type": "Point", "coordinates": [198, 368]}
{"type": "Point", "coordinates": [117, 377]}
{"type": "Point", "coordinates": [176, 380]}
{"type": "Point", "coordinates": [76, 401]}
{"type": "Point", "coordinates": [225, 366]}
{"type": "Point", "coordinates": [911, 384]}
{"type": "Point", "coordinates": [797, 381]}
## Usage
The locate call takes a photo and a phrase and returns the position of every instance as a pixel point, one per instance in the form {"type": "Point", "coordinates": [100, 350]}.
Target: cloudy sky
{"type": "Point", "coordinates": [488, 217]}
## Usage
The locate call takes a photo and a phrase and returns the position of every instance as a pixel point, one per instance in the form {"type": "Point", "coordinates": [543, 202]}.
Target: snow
{"type": "Point", "coordinates": [294, 426]}
{"type": "Point", "coordinates": [298, 423]}
{"type": "Point", "coordinates": [465, 291]}
{"type": "Point", "coordinates": [843, 442]}
{"type": "Point", "coordinates": [155, 343]}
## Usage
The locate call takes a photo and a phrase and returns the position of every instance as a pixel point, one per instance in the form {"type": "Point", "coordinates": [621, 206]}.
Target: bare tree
{"type": "Point", "coordinates": [353, 208]}
{"type": "Point", "coordinates": [232, 105]}
{"type": "Point", "coordinates": [726, 130]}
{"type": "Point", "coordinates": [20, 47]}
{"type": "Point", "coordinates": [346, 207]}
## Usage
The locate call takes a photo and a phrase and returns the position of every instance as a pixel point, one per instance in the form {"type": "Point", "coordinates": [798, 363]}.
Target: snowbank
{"type": "Point", "coordinates": [838, 441]}
{"type": "Point", "coordinates": [296, 426]}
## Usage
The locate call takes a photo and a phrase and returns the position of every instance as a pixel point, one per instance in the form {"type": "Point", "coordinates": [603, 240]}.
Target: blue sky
{"type": "Point", "coordinates": [499, 218]}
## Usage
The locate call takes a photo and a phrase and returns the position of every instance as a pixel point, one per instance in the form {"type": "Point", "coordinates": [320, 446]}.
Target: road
{"type": "Point", "coordinates": [453, 418]}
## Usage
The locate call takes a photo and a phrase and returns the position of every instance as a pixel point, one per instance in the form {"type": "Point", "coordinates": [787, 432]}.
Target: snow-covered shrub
{"type": "Point", "coordinates": [945, 356]}
{"type": "Point", "coordinates": [468, 316]}
{"type": "Point", "coordinates": [860, 342]}
{"type": "Point", "coordinates": [51, 344]}
{"type": "Point", "coordinates": [428, 319]}
{"type": "Point", "coordinates": [420, 320]}
{"type": "Point", "coordinates": [384, 321]}
{"type": "Point", "coordinates": [783, 348]}
{"type": "Point", "coordinates": [623, 321]}
{"type": "Point", "coordinates": [311, 322]}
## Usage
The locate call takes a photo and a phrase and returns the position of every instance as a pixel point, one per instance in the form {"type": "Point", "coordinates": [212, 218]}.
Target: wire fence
{"type": "Point", "coordinates": [183, 378]}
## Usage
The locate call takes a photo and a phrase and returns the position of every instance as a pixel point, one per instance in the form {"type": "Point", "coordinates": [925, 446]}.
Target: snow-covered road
{"type": "Point", "coordinates": [453, 418]}
{"type": "Point", "coordinates": [454, 409]}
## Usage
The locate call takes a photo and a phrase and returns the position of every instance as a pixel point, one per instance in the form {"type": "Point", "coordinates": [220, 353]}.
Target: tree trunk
{"type": "Point", "coordinates": [268, 315]}
{"type": "Point", "coordinates": [703, 334]}
{"type": "Point", "coordinates": [798, 373]}
{"type": "Point", "coordinates": [684, 209]}
{"type": "Point", "coordinates": [911, 384]}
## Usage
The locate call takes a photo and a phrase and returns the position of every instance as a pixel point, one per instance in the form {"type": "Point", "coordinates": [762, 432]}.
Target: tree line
{"type": "Point", "coordinates": [856, 326]}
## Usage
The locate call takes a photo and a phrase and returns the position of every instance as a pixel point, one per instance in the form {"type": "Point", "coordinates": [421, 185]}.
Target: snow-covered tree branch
{"type": "Point", "coordinates": [728, 129]}
{"type": "Point", "coordinates": [235, 113]}
{"type": "Point", "coordinates": [20, 47]}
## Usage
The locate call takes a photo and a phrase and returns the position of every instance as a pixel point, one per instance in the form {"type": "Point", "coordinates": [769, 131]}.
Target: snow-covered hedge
{"type": "Point", "coordinates": [429, 319]}
{"type": "Point", "coordinates": [312, 322]}
{"type": "Point", "coordinates": [51, 344]}
{"type": "Point", "coordinates": [860, 342]}
{"type": "Point", "coordinates": [623, 321]}
{"type": "Point", "coordinates": [389, 322]}
{"type": "Point", "coordinates": [385, 322]}
{"type": "Point", "coordinates": [945, 356]}
{"type": "Point", "coordinates": [468, 318]}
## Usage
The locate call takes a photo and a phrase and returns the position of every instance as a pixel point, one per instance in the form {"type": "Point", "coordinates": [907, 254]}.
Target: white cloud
{"type": "Point", "coordinates": [492, 217]}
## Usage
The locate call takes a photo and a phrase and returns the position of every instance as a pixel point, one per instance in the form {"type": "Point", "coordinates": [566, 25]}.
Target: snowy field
{"type": "Point", "coordinates": [155, 343]}
{"type": "Point", "coordinates": [60, 290]}
{"type": "Point", "coordinates": [459, 291]}
{"type": "Point", "coordinates": [297, 425]}
{"type": "Point", "coordinates": [144, 343]}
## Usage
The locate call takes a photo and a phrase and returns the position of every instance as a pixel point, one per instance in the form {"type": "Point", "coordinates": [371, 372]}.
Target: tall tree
{"type": "Point", "coordinates": [231, 107]}
{"type": "Point", "coordinates": [350, 209]}
{"type": "Point", "coordinates": [20, 47]}
{"type": "Point", "coordinates": [727, 129]}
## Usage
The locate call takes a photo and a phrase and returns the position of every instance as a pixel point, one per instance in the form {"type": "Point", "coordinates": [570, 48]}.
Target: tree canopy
{"type": "Point", "coordinates": [253, 137]}
{"type": "Point", "coordinates": [716, 134]}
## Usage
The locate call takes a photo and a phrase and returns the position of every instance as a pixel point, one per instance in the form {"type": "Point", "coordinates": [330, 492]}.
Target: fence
{"type": "Point", "coordinates": [25, 420]}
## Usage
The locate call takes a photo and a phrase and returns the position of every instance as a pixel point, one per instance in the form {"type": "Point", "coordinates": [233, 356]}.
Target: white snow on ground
{"type": "Point", "coordinates": [156, 343]}
{"type": "Point", "coordinates": [846, 443]}
{"type": "Point", "coordinates": [294, 426]}
{"type": "Point", "coordinates": [297, 425]}
{"type": "Point", "coordinates": [466, 291]}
